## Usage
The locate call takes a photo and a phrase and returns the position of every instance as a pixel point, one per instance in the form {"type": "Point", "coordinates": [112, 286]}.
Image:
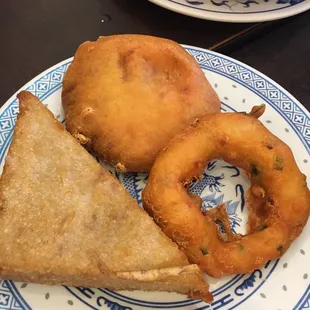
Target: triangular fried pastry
{"type": "Point", "coordinates": [65, 220]}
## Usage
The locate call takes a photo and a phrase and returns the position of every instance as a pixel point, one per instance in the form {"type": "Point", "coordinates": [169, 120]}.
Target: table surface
{"type": "Point", "coordinates": [36, 34]}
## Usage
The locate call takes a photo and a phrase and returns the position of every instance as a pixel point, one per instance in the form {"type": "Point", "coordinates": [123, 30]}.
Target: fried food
{"type": "Point", "coordinates": [126, 96]}
{"type": "Point", "coordinates": [65, 220]}
{"type": "Point", "coordinates": [277, 182]}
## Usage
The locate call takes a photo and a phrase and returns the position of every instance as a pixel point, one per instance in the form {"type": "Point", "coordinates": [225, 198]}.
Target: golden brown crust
{"type": "Point", "coordinates": [65, 220]}
{"type": "Point", "coordinates": [126, 96]}
{"type": "Point", "coordinates": [185, 280]}
{"type": "Point", "coordinates": [243, 141]}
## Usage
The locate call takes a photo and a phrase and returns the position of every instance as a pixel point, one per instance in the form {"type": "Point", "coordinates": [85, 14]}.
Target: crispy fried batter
{"type": "Point", "coordinates": [243, 141]}
{"type": "Point", "coordinates": [65, 220]}
{"type": "Point", "coordinates": [126, 96]}
{"type": "Point", "coordinates": [220, 216]}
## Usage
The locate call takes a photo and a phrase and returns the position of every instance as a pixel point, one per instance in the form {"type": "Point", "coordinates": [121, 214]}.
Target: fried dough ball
{"type": "Point", "coordinates": [126, 96]}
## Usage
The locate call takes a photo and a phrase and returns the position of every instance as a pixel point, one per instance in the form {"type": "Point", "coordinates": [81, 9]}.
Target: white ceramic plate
{"type": "Point", "coordinates": [282, 284]}
{"type": "Point", "coordinates": [236, 11]}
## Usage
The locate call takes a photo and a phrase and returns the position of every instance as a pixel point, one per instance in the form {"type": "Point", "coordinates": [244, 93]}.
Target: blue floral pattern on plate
{"type": "Point", "coordinates": [242, 11]}
{"type": "Point", "coordinates": [244, 3]}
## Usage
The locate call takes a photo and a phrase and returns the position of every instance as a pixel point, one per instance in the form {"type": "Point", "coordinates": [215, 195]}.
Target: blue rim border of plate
{"type": "Point", "coordinates": [234, 13]}
{"type": "Point", "coordinates": [216, 63]}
